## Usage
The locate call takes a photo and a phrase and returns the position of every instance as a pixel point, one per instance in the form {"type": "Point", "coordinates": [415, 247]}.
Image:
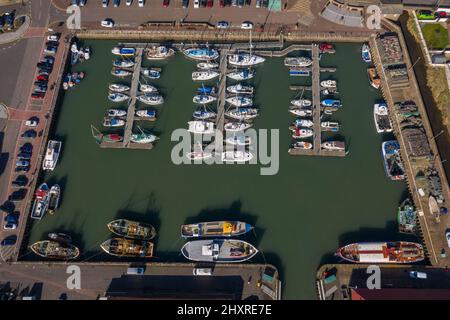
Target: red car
{"type": "Point", "coordinates": [222, 3]}
{"type": "Point", "coordinates": [166, 3]}
{"type": "Point", "coordinates": [210, 3]}
{"type": "Point", "coordinates": [38, 95]}
{"type": "Point", "coordinates": [42, 77]}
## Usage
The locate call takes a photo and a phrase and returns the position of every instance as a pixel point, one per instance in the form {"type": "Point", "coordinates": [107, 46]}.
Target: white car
{"type": "Point", "coordinates": [128, 2]}
{"type": "Point", "coordinates": [104, 3]}
{"type": "Point", "coordinates": [247, 25]}
{"type": "Point", "coordinates": [196, 4]}
{"type": "Point", "coordinates": [31, 123]}
{"type": "Point", "coordinates": [53, 37]}
{"type": "Point", "coordinates": [141, 3]}
{"type": "Point", "coordinates": [9, 226]}
{"type": "Point", "coordinates": [107, 23]}
{"type": "Point", "coordinates": [447, 235]}
{"type": "Point", "coordinates": [202, 272]}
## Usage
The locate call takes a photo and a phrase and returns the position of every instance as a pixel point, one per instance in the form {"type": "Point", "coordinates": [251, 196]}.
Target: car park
{"type": "Point", "coordinates": [141, 3]}
{"type": "Point", "coordinates": [20, 181]}
{"type": "Point", "coordinates": [9, 241]}
{"type": "Point", "coordinates": [107, 23]}
{"type": "Point", "coordinates": [222, 25]}
{"type": "Point", "coordinates": [247, 25]}
{"type": "Point", "coordinates": [29, 134]}
{"type": "Point", "coordinates": [104, 3]}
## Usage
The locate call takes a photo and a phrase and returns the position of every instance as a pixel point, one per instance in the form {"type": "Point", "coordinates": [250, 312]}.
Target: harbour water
{"type": "Point", "coordinates": [302, 214]}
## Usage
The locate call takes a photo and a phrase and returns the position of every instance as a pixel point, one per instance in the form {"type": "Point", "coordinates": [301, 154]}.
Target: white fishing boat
{"type": "Point", "coordinates": [201, 53]}
{"type": "Point", "coordinates": [113, 122]}
{"type": "Point", "coordinates": [236, 126]}
{"type": "Point", "coordinates": [218, 251]}
{"type": "Point", "coordinates": [333, 145]}
{"type": "Point", "coordinates": [381, 118]}
{"type": "Point", "coordinates": [328, 84]}
{"type": "Point", "coordinates": [53, 198]}
{"type": "Point", "coordinates": [116, 113]}
{"type": "Point", "coordinates": [204, 75]}
{"type": "Point", "coordinates": [51, 155]}
{"type": "Point", "coordinates": [240, 89]}
{"type": "Point", "coordinates": [203, 99]}
{"type": "Point", "coordinates": [146, 113]}
{"type": "Point", "coordinates": [236, 156]}
{"type": "Point", "coordinates": [207, 65]}
{"type": "Point", "coordinates": [118, 87]}
{"type": "Point", "coordinates": [121, 63]}
{"type": "Point", "coordinates": [303, 145]}
{"type": "Point", "coordinates": [242, 113]}
{"type": "Point", "coordinates": [40, 204]}
{"type": "Point", "coordinates": [147, 88]}
{"type": "Point", "coordinates": [245, 59]}
{"type": "Point", "coordinates": [301, 102]}
{"type": "Point", "coordinates": [158, 53]}
{"type": "Point", "coordinates": [118, 97]}
{"type": "Point", "coordinates": [238, 140]}
{"type": "Point", "coordinates": [298, 123]}
{"type": "Point", "coordinates": [302, 133]}
{"type": "Point", "coordinates": [244, 74]}
{"type": "Point", "coordinates": [301, 112]}
{"type": "Point", "coordinates": [151, 99]}
{"type": "Point", "coordinates": [203, 127]}
{"type": "Point", "coordinates": [239, 101]}
{"type": "Point", "coordinates": [203, 114]}
{"type": "Point", "coordinates": [297, 62]}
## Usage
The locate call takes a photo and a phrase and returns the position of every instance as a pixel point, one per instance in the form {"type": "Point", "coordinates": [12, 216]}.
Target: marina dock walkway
{"type": "Point", "coordinates": [221, 95]}
{"type": "Point", "coordinates": [132, 103]}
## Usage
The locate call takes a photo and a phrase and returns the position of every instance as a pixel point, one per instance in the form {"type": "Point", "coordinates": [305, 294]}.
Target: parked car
{"type": "Point", "coordinates": [24, 155]}
{"type": "Point", "coordinates": [166, 3]}
{"type": "Point", "coordinates": [53, 37]}
{"type": "Point", "coordinates": [258, 3]}
{"type": "Point", "coordinates": [9, 241]}
{"type": "Point", "coordinates": [265, 3]}
{"type": "Point", "coordinates": [185, 4]}
{"type": "Point", "coordinates": [38, 95]}
{"type": "Point", "coordinates": [9, 20]}
{"type": "Point", "coordinates": [82, 3]}
{"type": "Point", "coordinates": [417, 275]}
{"type": "Point", "coordinates": [29, 134]}
{"type": "Point", "coordinates": [425, 15]}
{"type": "Point", "coordinates": [141, 3]}
{"type": "Point", "coordinates": [234, 3]}
{"type": "Point", "coordinates": [20, 181]}
{"type": "Point", "coordinates": [50, 49]}
{"type": "Point", "coordinates": [27, 148]}
{"type": "Point", "coordinates": [12, 218]}
{"type": "Point", "coordinates": [18, 195]}
{"type": "Point", "coordinates": [22, 163]}
{"type": "Point", "coordinates": [202, 272]}
{"type": "Point", "coordinates": [105, 3]}
{"type": "Point", "coordinates": [116, 3]}
{"type": "Point", "coordinates": [32, 122]}
{"type": "Point", "coordinates": [203, 3]}
{"type": "Point", "coordinates": [222, 25]}
{"type": "Point", "coordinates": [222, 3]}
{"type": "Point", "coordinates": [247, 25]}
{"type": "Point", "coordinates": [210, 3]}
{"type": "Point", "coordinates": [241, 3]}
{"type": "Point", "coordinates": [22, 169]}
{"type": "Point", "coordinates": [107, 23]}
{"type": "Point", "coordinates": [128, 2]}
{"type": "Point", "coordinates": [42, 77]}
{"type": "Point", "coordinates": [2, 21]}
{"type": "Point", "coordinates": [447, 236]}
{"type": "Point", "coordinates": [196, 4]}
{"type": "Point", "coordinates": [74, 2]}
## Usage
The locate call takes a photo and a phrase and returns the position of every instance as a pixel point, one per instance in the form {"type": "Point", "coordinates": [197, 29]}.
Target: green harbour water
{"type": "Point", "coordinates": [301, 215]}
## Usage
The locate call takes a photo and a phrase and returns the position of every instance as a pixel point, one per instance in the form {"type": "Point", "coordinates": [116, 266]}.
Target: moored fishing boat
{"type": "Point", "coordinates": [204, 75]}
{"type": "Point", "coordinates": [151, 73]}
{"type": "Point", "coordinates": [239, 101]}
{"type": "Point", "coordinates": [54, 250]}
{"type": "Point", "coordinates": [147, 88]}
{"type": "Point", "coordinates": [207, 65]}
{"type": "Point", "coordinates": [302, 133]}
{"type": "Point", "coordinates": [201, 127]}
{"type": "Point", "coordinates": [122, 63]}
{"type": "Point", "coordinates": [303, 145]}
{"type": "Point", "coordinates": [215, 229]}
{"type": "Point", "coordinates": [238, 140]}
{"type": "Point", "coordinates": [328, 84]}
{"type": "Point", "coordinates": [113, 122]}
{"type": "Point", "coordinates": [118, 97]}
{"type": "Point", "coordinates": [297, 62]}
{"type": "Point", "coordinates": [245, 59]}
{"type": "Point", "coordinates": [151, 99]}
{"type": "Point", "coordinates": [53, 198]}
{"type": "Point", "coordinates": [392, 162]}
{"type": "Point", "coordinates": [158, 53]}
{"type": "Point", "coordinates": [236, 156]}
{"type": "Point", "coordinates": [236, 126]}
{"type": "Point", "coordinates": [243, 113]}
{"type": "Point", "coordinates": [51, 155]}
{"type": "Point", "coordinates": [131, 248]}
{"type": "Point", "coordinates": [41, 202]}
{"type": "Point", "coordinates": [365, 53]}
{"type": "Point", "coordinates": [218, 250]}
{"type": "Point", "coordinates": [203, 99]}
{"type": "Point", "coordinates": [333, 145]}
{"type": "Point", "coordinates": [201, 53]}
{"type": "Point", "coordinates": [118, 87]}
{"type": "Point", "coordinates": [124, 51]}
{"type": "Point", "coordinates": [121, 73]}
{"type": "Point", "coordinates": [74, 54]}
{"type": "Point", "coordinates": [240, 89]}
{"type": "Point", "coordinates": [382, 252]}
{"type": "Point", "coordinates": [407, 217]}
{"type": "Point", "coordinates": [374, 79]}
{"type": "Point", "coordinates": [301, 102]}
{"type": "Point", "coordinates": [146, 113]}
{"type": "Point", "coordinates": [203, 114]}
{"type": "Point", "coordinates": [381, 118]}
{"type": "Point", "coordinates": [132, 229]}
{"type": "Point", "coordinates": [330, 126]}
{"type": "Point", "coordinates": [240, 75]}
{"type": "Point", "coordinates": [116, 113]}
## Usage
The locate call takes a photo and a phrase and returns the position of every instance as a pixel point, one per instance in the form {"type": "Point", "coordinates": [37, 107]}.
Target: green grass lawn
{"type": "Point", "coordinates": [435, 35]}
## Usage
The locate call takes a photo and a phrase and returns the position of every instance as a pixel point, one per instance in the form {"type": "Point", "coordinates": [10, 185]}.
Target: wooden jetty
{"type": "Point", "coordinates": [221, 96]}
{"type": "Point", "coordinates": [285, 51]}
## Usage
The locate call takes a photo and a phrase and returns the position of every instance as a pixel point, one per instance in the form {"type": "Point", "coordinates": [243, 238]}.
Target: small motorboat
{"type": "Point", "coordinates": [302, 133]}
{"type": "Point", "coordinates": [118, 87]}
{"type": "Point", "coordinates": [333, 103]}
{"type": "Point", "coordinates": [215, 229]}
{"type": "Point", "coordinates": [146, 113]}
{"type": "Point", "coordinates": [147, 88]}
{"type": "Point", "coordinates": [201, 53]}
{"type": "Point", "coordinates": [151, 99]}
{"type": "Point", "coordinates": [326, 47]}
{"type": "Point", "coordinates": [113, 122]}
{"type": "Point", "coordinates": [301, 102]}
{"type": "Point", "coordinates": [151, 73]}
{"type": "Point", "coordinates": [118, 97]}
{"type": "Point", "coordinates": [374, 79]}
{"type": "Point", "coordinates": [116, 113]}
{"type": "Point", "coordinates": [143, 138]}
{"type": "Point", "coordinates": [204, 75]}
{"type": "Point", "coordinates": [207, 65]}
{"type": "Point", "coordinates": [328, 84]}
{"type": "Point", "coordinates": [203, 99]}
{"type": "Point", "coordinates": [199, 155]}
{"type": "Point", "coordinates": [236, 126]}
{"type": "Point", "coordinates": [365, 53]}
